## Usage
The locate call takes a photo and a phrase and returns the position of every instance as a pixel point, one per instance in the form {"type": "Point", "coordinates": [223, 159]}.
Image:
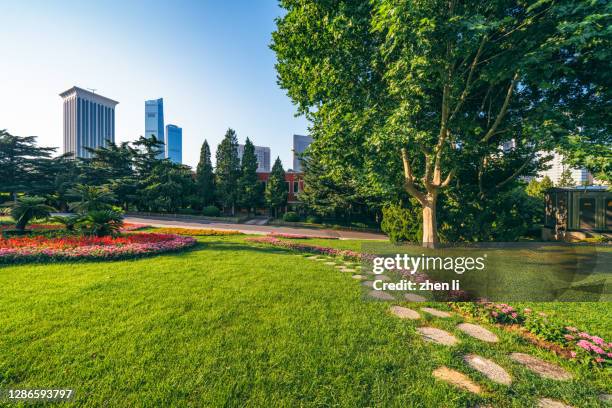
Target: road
{"type": "Point", "coordinates": [251, 229]}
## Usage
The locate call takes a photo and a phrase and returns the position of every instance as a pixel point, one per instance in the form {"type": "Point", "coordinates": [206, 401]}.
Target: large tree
{"type": "Point", "coordinates": [249, 191]}
{"type": "Point", "coordinates": [228, 171]}
{"type": "Point", "coordinates": [276, 188]}
{"type": "Point", "coordinates": [205, 177]}
{"type": "Point", "coordinates": [425, 94]}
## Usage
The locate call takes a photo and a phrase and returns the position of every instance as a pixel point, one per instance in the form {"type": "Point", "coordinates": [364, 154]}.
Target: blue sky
{"type": "Point", "coordinates": [209, 60]}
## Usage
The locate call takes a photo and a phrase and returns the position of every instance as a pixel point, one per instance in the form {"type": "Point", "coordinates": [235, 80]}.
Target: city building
{"type": "Point", "coordinates": [580, 176]}
{"type": "Point", "coordinates": [300, 144]}
{"type": "Point", "coordinates": [154, 120]}
{"type": "Point", "coordinates": [174, 143]}
{"type": "Point", "coordinates": [295, 185]}
{"type": "Point", "coordinates": [263, 157]}
{"type": "Point", "coordinates": [89, 121]}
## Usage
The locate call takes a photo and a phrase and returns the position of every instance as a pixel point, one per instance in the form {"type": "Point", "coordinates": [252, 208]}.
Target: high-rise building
{"type": "Point", "coordinates": [154, 120]}
{"type": "Point", "coordinates": [263, 157]}
{"type": "Point", "coordinates": [580, 176]}
{"type": "Point", "coordinates": [300, 144]}
{"type": "Point", "coordinates": [89, 121]}
{"type": "Point", "coordinates": [174, 143]}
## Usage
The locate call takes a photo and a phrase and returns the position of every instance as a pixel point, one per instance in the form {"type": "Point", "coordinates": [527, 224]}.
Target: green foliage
{"type": "Point", "coordinates": [313, 219]}
{"type": "Point", "coordinates": [211, 211]}
{"type": "Point", "coordinates": [402, 224]}
{"type": "Point", "coordinates": [249, 189]}
{"type": "Point", "coordinates": [26, 208]}
{"type": "Point", "coordinates": [545, 329]}
{"type": "Point", "coordinates": [90, 198]}
{"type": "Point", "coordinates": [227, 171]}
{"type": "Point", "coordinates": [205, 178]}
{"type": "Point", "coordinates": [102, 223]}
{"type": "Point", "coordinates": [537, 189]}
{"type": "Point", "coordinates": [566, 179]}
{"type": "Point", "coordinates": [276, 188]}
{"type": "Point", "coordinates": [168, 188]}
{"type": "Point", "coordinates": [69, 221]}
{"type": "Point", "coordinates": [291, 216]}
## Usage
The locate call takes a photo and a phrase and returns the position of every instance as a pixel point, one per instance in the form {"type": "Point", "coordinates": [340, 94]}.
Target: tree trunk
{"type": "Point", "coordinates": [430, 227]}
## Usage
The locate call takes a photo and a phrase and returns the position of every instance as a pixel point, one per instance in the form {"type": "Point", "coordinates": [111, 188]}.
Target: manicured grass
{"type": "Point", "coordinates": [232, 324]}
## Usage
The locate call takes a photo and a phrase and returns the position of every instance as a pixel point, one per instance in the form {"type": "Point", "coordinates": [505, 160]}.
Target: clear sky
{"type": "Point", "coordinates": [209, 60]}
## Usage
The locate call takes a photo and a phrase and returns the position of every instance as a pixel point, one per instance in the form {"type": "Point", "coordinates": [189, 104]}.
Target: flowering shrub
{"type": "Point", "coordinates": [42, 248]}
{"type": "Point", "coordinates": [298, 246]}
{"type": "Point", "coordinates": [582, 346]}
{"type": "Point", "coordinates": [297, 236]}
{"type": "Point", "coordinates": [33, 227]}
{"type": "Point", "coordinates": [127, 227]}
{"type": "Point", "coordinates": [197, 232]}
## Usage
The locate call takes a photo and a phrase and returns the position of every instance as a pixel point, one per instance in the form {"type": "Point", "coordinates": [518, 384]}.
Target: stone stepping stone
{"type": "Point", "coordinates": [606, 398]}
{"type": "Point", "coordinates": [383, 278]}
{"type": "Point", "coordinates": [541, 367]}
{"type": "Point", "coordinates": [404, 313]}
{"type": "Point", "coordinates": [368, 284]}
{"type": "Point", "coordinates": [439, 336]}
{"type": "Point", "coordinates": [312, 257]}
{"type": "Point", "coordinates": [478, 332]}
{"type": "Point", "coordinates": [320, 259]}
{"type": "Point", "coordinates": [435, 312]}
{"type": "Point", "coordinates": [457, 379]}
{"type": "Point", "coordinates": [330, 263]}
{"type": "Point", "coordinates": [488, 368]}
{"type": "Point", "coordinates": [358, 277]}
{"type": "Point", "coordinates": [413, 297]}
{"type": "Point", "coordinates": [380, 295]}
{"type": "Point", "coordinates": [347, 270]}
{"type": "Point", "coordinates": [550, 403]}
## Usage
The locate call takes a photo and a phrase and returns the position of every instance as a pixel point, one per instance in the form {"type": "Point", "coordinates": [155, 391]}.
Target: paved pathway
{"type": "Point", "coordinates": [250, 228]}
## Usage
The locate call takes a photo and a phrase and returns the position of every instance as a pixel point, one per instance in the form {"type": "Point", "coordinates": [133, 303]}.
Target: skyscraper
{"type": "Point", "coordinates": [89, 121]}
{"type": "Point", "coordinates": [174, 143]}
{"type": "Point", "coordinates": [154, 120]}
{"type": "Point", "coordinates": [263, 157]}
{"type": "Point", "coordinates": [300, 144]}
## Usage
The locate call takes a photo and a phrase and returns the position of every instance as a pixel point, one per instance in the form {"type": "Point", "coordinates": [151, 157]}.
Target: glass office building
{"type": "Point", "coordinates": [263, 157]}
{"type": "Point", "coordinates": [154, 120]}
{"type": "Point", "coordinates": [300, 144]}
{"type": "Point", "coordinates": [89, 121]}
{"type": "Point", "coordinates": [174, 144]}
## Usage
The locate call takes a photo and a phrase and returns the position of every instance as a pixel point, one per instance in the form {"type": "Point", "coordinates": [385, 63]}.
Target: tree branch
{"type": "Point", "coordinates": [516, 173]}
{"type": "Point", "coordinates": [409, 179]}
{"type": "Point", "coordinates": [502, 110]}
{"type": "Point", "coordinates": [468, 82]}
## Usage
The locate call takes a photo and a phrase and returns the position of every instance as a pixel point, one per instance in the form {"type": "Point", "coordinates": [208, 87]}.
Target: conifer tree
{"type": "Point", "coordinates": [276, 188]}
{"type": "Point", "coordinates": [205, 177]}
{"type": "Point", "coordinates": [248, 186]}
{"type": "Point", "coordinates": [228, 171]}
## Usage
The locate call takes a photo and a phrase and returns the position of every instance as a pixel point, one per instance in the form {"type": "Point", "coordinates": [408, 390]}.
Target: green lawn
{"type": "Point", "coordinates": [232, 324]}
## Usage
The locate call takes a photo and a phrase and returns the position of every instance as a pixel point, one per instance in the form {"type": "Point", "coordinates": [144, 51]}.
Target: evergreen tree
{"type": "Point", "coordinates": [566, 179]}
{"type": "Point", "coordinates": [276, 188]}
{"type": "Point", "coordinates": [146, 153]}
{"type": "Point", "coordinates": [537, 188]}
{"type": "Point", "coordinates": [228, 171]}
{"type": "Point", "coordinates": [248, 186]}
{"type": "Point", "coordinates": [205, 177]}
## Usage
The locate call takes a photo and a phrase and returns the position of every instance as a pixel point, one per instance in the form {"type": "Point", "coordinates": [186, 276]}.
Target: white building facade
{"type": "Point", "coordinates": [580, 176]}
{"type": "Point", "coordinates": [263, 157]}
{"type": "Point", "coordinates": [89, 121]}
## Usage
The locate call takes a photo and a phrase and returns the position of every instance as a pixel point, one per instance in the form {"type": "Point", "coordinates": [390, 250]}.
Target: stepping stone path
{"type": "Point", "coordinates": [478, 332]}
{"type": "Point", "coordinates": [435, 312]}
{"type": "Point", "coordinates": [357, 277]}
{"type": "Point", "coordinates": [488, 368]}
{"type": "Point", "coordinates": [457, 379]}
{"type": "Point", "coordinates": [343, 269]}
{"type": "Point", "coordinates": [368, 284]}
{"type": "Point", "coordinates": [606, 398]}
{"type": "Point", "coordinates": [541, 367]}
{"type": "Point", "coordinates": [404, 313]}
{"type": "Point", "coordinates": [330, 263]}
{"type": "Point", "coordinates": [383, 278]}
{"type": "Point", "coordinates": [380, 295]}
{"type": "Point", "coordinates": [413, 297]}
{"type": "Point", "coordinates": [550, 403]}
{"type": "Point", "coordinates": [434, 335]}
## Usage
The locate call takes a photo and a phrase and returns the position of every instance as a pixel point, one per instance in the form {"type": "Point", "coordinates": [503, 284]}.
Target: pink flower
{"type": "Point", "coordinates": [573, 354]}
{"type": "Point", "coordinates": [584, 335]}
{"type": "Point", "coordinates": [527, 310]}
{"type": "Point", "coordinates": [599, 360]}
{"type": "Point", "coordinates": [598, 340]}
{"type": "Point", "coordinates": [514, 315]}
{"type": "Point", "coordinates": [609, 355]}
{"type": "Point", "coordinates": [495, 314]}
{"type": "Point", "coordinates": [598, 350]}
{"type": "Point", "coordinates": [571, 328]}
{"type": "Point", "coordinates": [569, 337]}
{"type": "Point", "coordinates": [584, 344]}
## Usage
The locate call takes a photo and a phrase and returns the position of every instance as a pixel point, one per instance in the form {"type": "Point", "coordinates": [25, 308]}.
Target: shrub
{"type": "Point", "coordinates": [196, 232]}
{"type": "Point", "coordinates": [402, 224]}
{"type": "Point", "coordinates": [28, 208]}
{"type": "Point", "coordinates": [291, 216]}
{"type": "Point", "coordinates": [211, 211]}
{"type": "Point", "coordinates": [313, 219]}
{"type": "Point", "coordinates": [69, 222]}
{"type": "Point", "coordinates": [102, 223]}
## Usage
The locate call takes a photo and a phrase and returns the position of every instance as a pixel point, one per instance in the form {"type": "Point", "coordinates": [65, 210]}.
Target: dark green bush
{"type": "Point", "coordinates": [291, 216]}
{"type": "Point", "coordinates": [402, 224]}
{"type": "Point", "coordinates": [211, 211]}
{"type": "Point", "coordinates": [313, 219]}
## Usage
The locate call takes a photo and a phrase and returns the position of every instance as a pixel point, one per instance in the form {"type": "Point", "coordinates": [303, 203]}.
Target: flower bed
{"type": "Point", "coordinates": [196, 232]}
{"type": "Point", "coordinates": [297, 236]}
{"type": "Point", "coordinates": [33, 227]}
{"type": "Point", "coordinates": [41, 248]}
{"type": "Point", "coordinates": [298, 246]}
{"type": "Point", "coordinates": [127, 227]}
{"type": "Point", "coordinates": [568, 341]}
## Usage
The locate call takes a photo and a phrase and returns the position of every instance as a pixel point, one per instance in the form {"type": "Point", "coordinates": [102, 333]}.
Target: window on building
{"type": "Point", "coordinates": [296, 187]}
{"type": "Point", "coordinates": [288, 186]}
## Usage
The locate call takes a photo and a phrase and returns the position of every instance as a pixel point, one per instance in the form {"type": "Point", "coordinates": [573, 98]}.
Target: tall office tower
{"type": "Point", "coordinates": [263, 157]}
{"type": "Point", "coordinates": [154, 120]}
{"type": "Point", "coordinates": [174, 143]}
{"type": "Point", "coordinates": [300, 144]}
{"type": "Point", "coordinates": [581, 176]}
{"type": "Point", "coordinates": [89, 121]}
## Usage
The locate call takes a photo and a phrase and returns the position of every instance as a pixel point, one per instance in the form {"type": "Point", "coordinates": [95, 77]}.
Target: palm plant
{"type": "Point", "coordinates": [28, 207]}
{"type": "Point", "coordinates": [102, 223]}
{"type": "Point", "coordinates": [69, 222]}
{"type": "Point", "coordinates": [90, 198]}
